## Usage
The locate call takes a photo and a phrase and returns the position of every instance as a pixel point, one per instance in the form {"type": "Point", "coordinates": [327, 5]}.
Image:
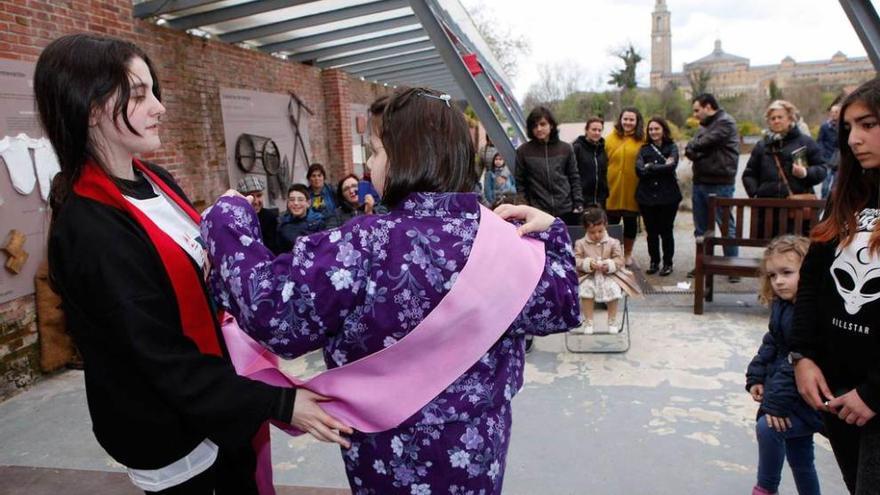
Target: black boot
{"type": "Point", "coordinates": [666, 271]}
{"type": "Point", "coordinates": [654, 268]}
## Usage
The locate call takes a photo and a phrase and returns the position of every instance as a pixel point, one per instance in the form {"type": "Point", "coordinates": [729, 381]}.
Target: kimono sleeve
{"type": "Point", "coordinates": [554, 305]}
{"type": "Point", "coordinates": [290, 303]}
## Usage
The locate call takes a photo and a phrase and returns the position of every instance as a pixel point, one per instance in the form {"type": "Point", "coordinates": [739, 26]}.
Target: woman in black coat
{"type": "Point", "coordinates": [784, 147]}
{"type": "Point", "coordinates": [592, 162]}
{"type": "Point", "coordinates": [658, 193]}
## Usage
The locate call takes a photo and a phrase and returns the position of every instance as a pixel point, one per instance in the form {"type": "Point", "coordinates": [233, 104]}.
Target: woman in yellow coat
{"type": "Point", "coordinates": [622, 147]}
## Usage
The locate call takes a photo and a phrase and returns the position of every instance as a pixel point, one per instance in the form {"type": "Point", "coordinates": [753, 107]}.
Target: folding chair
{"type": "Point", "coordinates": [601, 341]}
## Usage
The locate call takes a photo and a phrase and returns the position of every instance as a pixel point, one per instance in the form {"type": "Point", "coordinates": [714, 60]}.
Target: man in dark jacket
{"type": "Point", "coordinates": [253, 186]}
{"type": "Point", "coordinates": [592, 162]}
{"type": "Point", "coordinates": [546, 170]}
{"type": "Point", "coordinates": [714, 151]}
{"type": "Point", "coordinates": [827, 142]}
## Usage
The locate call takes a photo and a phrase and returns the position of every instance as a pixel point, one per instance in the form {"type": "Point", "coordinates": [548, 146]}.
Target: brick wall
{"type": "Point", "coordinates": [191, 71]}
{"type": "Point", "coordinates": [338, 111]}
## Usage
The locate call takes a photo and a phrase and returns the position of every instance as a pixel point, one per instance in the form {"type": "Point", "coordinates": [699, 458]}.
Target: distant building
{"type": "Point", "coordinates": [731, 75]}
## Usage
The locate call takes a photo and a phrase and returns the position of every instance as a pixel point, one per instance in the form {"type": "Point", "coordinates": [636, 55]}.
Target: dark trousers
{"type": "Point", "coordinates": [857, 450]}
{"type": "Point", "coordinates": [630, 222]}
{"type": "Point", "coordinates": [231, 474]}
{"type": "Point", "coordinates": [659, 222]}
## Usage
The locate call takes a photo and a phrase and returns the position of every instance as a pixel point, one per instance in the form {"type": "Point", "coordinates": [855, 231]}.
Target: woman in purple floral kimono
{"type": "Point", "coordinates": [357, 289]}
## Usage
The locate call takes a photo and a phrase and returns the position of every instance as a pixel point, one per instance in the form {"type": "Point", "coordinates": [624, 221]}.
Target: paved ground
{"type": "Point", "coordinates": [669, 416]}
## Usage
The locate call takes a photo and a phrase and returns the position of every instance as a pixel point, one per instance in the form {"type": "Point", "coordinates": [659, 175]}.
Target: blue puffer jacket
{"type": "Point", "coordinates": [290, 228]}
{"type": "Point", "coordinates": [771, 367]}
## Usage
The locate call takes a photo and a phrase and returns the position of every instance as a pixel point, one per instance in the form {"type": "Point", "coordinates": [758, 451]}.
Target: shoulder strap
{"type": "Point", "coordinates": [782, 173]}
{"type": "Point", "coordinates": [658, 151]}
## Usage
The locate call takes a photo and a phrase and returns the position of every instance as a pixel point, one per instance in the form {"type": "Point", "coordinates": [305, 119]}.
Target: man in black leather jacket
{"type": "Point", "coordinates": [714, 151]}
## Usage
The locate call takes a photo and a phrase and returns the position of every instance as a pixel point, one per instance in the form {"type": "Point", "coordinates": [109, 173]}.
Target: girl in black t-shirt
{"type": "Point", "coordinates": [835, 348]}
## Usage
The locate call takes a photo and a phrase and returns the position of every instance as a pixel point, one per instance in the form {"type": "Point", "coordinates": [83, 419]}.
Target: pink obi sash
{"type": "Point", "coordinates": [380, 391]}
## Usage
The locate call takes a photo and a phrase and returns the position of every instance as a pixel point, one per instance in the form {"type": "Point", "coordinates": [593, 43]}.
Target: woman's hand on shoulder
{"type": "Point", "coordinates": [534, 219]}
{"type": "Point", "coordinates": [232, 193]}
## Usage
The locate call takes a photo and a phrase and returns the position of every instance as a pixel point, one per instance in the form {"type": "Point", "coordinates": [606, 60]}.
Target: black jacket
{"type": "Point", "coordinates": [344, 212]}
{"type": "Point", "coordinates": [715, 150]}
{"type": "Point", "coordinates": [770, 367]}
{"type": "Point", "coordinates": [658, 183]}
{"type": "Point", "coordinates": [290, 228]}
{"type": "Point", "coordinates": [547, 174]}
{"type": "Point", "coordinates": [839, 328]}
{"type": "Point", "coordinates": [592, 165]}
{"type": "Point", "coordinates": [152, 395]}
{"type": "Point", "coordinates": [269, 228]}
{"type": "Point", "coordinates": [761, 176]}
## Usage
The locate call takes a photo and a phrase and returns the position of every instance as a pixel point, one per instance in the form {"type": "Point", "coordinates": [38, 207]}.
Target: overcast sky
{"type": "Point", "coordinates": [584, 31]}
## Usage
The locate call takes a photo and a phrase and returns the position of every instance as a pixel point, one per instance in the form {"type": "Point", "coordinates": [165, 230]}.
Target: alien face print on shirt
{"type": "Point", "coordinates": [856, 270]}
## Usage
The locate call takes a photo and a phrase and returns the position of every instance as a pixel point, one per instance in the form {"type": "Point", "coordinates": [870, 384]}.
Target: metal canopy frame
{"type": "Point", "coordinates": [390, 42]}
{"type": "Point", "coordinates": [863, 17]}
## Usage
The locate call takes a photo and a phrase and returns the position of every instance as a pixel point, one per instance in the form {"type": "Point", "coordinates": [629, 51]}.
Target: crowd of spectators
{"type": "Point", "coordinates": [310, 208]}
{"type": "Point", "coordinates": [631, 171]}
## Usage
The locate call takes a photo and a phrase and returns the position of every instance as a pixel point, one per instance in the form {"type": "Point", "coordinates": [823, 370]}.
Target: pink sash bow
{"type": "Point", "coordinates": [380, 391]}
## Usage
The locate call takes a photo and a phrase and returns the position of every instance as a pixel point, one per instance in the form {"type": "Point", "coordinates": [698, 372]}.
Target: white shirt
{"type": "Point", "coordinates": [169, 217]}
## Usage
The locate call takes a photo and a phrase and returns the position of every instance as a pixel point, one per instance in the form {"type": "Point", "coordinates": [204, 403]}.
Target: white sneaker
{"type": "Point", "coordinates": [613, 327]}
{"type": "Point", "coordinates": [587, 327]}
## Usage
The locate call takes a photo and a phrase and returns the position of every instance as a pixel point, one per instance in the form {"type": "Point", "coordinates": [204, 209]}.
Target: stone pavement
{"type": "Point", "coordinates": [670, 415]}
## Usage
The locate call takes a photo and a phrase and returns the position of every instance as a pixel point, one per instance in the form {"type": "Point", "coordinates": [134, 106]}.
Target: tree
{"type": "Point", "coordinates": [774, 91]}
{"type": "Point", "coordinates": [699, 81]}
{"type": "Point", "coordinates": [626, 78]}
{"type": "Point", "coordinates": [508, 48]}
{"type": "Point", "coordinates": [555, 83]}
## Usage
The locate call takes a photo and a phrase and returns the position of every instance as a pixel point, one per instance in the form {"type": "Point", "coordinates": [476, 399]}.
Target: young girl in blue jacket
{"type": "Point", "coordinates": [785, 423]}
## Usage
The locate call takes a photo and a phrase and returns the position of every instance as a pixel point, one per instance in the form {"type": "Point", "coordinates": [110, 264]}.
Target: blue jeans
{"type": "Point", "coordinates": [701, 212]}
{"type": "Point", "coordinates": [796, 443]}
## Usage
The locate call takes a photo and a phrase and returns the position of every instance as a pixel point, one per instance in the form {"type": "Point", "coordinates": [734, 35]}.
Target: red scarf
{"type": "Point", "coordinates": [196, 318]}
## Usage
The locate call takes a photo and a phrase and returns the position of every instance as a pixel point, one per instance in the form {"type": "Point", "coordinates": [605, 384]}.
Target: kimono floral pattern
{"type": "Point", "coordinates": [356, 289]}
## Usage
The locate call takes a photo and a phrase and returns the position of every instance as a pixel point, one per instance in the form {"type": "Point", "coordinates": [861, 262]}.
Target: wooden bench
{"type": "Point", "coordinates": [787, 216]}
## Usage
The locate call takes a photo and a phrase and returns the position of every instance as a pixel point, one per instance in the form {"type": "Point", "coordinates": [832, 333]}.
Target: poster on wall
{"type": "Point", "coordinates": [27, 164]}
{"type": "Point", "coordinates": [360, 131]}
{"type": "Point", "coordinates": [261, 140]}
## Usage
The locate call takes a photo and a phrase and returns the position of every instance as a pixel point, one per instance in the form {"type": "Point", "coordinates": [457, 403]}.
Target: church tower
{"type": "Point", "coordinates": [661, 45]}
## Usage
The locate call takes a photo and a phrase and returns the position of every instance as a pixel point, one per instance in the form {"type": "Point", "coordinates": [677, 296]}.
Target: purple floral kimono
{"type": "Point", "coordinates": [359, 288]}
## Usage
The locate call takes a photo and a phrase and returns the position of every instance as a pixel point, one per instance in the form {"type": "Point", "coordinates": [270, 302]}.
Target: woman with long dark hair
{"type": "Point", "coordinates": [836, 352]}
{"type": "Point", "coordinates": [622, 147]}
{"type": "Point", "coordinates": [382, 283]}
{"type": "Point", "coordinates": [126, 256]}
{"type": "Point", "coordinates": [658, 194]}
